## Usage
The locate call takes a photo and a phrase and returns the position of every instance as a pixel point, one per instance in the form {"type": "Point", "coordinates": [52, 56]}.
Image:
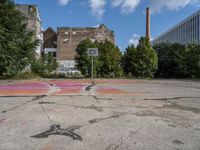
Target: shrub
{"type": "Point", "coordinates": [45, 66]}
{"type": "Point", "coordinates": [25, 75]}
{"type": "Point", "coordinates": [178, 61]}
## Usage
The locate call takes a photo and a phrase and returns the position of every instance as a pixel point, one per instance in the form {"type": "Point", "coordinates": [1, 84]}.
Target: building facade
{"type": "Point", "coordinates": [68, 39]}
{"type": "Point", "coordinates": [31, 12]}
{"type": "Point", "coordinates": [50, 42]}
{"type": "Point", "coordinates": [185, 32]}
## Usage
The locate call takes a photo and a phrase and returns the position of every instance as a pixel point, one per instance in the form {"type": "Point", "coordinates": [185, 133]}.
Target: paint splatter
{"type": "Point", "coordinates": [57, 130]}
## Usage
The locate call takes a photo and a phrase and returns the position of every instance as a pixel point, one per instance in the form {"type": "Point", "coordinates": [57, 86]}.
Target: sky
{"type": "Point", "coordinates": [125, 17]}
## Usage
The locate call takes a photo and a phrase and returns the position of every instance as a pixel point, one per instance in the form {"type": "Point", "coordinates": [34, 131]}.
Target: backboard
{"type": "Point", "coordinates": [92, 52]}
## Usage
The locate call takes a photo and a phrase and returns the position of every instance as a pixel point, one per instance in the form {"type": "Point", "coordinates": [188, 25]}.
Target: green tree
{"type": "Point", "coordinates": [107, 64]}
{"type": "Point", "coordinates": [142, 61]}
{"type": "Point", "coordinates": [171, 60]}
{"type": "Point", "coordinates": [16, 43]}
{"type": "Point", "coordinates": [129, 61]}
{"type": "Point", "coordinates": [109, 60]}
{"type": "Point", "coordinates": [191, 61]}
{"type": "Point", "coordinates": [82, 59]}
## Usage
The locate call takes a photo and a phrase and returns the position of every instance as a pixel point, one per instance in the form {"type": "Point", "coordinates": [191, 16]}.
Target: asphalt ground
{"type": "Point", "coordinates": [107, 115]}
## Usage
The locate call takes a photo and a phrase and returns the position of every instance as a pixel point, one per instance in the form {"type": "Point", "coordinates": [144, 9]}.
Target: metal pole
{"type": "Point", "coordinates": [92, 69]}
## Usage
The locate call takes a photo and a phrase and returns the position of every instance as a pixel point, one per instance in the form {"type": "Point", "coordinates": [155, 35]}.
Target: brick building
{"type": "Point", "coordinates": [68, 39]}
{"type": "Point", "coordinates": [50, 42]}
{"type": "Point", "coordinates": [31, 12]}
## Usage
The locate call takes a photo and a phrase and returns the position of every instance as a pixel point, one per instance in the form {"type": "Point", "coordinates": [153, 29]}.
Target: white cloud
{"type": "Point", "coordinates": [127, 6]}
{"type": "Point", "coordinates": [134, 40]}
{"type": "Point", "coordinates": [96, 26]}
{"type": "Point", "coordinates": [158, 5]}
{"type": "Point", "coordinates": [97, 7]}
{"type": "Point", "coordinates": [63, 2]}
{"type": "Point", "coordinates": [116, 3]}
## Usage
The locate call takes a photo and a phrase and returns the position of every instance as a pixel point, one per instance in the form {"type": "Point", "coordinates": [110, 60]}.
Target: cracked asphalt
{"type": "Point", "coordinates": [108, 115]}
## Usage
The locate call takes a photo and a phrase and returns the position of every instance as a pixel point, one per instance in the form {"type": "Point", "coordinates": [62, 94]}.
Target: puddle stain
{"type": "Point", "coordinates": [101, 119]}
{"type": "Point", "coordinates": [57, 130]}
{"type": "Point", "coordinates": [4, 111]}
{"type": "Point", "coordinates": [177, 142]}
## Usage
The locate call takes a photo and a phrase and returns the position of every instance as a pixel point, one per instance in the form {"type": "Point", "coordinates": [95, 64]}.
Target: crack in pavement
{"type": "Point", "coordinates": [18, 106]}
{"type": "Point", "coordinates": [46, 102]}
{"type": "Point", "coordinates": [46, 114]}
{"type": "Point", "coordinates": [93, 106]}
{"type": "Point", "coordinates": [172, 98]}
{"type": "Point", "coordinates": [158, 99]}
{"type": "Point", "coordinates": [101, 119]}
{"type": "Point", "coordinates": [121, 142]}
{"type": "Point", "coordinates": [175, 106]}
{"type": "Point", "coordinates": [109, 99]}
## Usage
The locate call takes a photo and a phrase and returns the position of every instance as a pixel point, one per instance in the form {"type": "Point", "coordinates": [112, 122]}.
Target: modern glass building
{"type": "Point", "coordinates": [185, 32]}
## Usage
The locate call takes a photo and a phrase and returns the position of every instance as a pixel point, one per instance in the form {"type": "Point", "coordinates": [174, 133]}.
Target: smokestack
{"type": "Point", "coordinates": [148, 34]}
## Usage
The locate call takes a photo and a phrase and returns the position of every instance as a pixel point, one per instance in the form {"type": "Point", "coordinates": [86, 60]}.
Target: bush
{"type": "Point", "coordinates": [45, 66]}
{"type": "Point", "coordinates": [25, 75]}
{"type": "Point", "coordinates": [17, 45]}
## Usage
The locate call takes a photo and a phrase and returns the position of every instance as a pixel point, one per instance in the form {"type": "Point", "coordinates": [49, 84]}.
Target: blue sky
{"type": "Point", "coordinates": [125, 17]}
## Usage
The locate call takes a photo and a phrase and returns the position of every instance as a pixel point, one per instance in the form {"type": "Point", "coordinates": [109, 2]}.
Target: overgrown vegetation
{"type": "Point", "coordinates": [17, 45]}
{"type": "Point", "coordinates": [45, 66]}
{"type": "Point", "coordinates": [178, 61]}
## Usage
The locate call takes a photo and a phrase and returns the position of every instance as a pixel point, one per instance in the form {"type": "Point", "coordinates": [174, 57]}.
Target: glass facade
{"type": "Point", "coordinates": [186, 32]}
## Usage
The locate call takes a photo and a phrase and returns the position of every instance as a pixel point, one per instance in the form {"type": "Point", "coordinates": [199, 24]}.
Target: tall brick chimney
{"type": "Point", "coordinates": [148, 34]}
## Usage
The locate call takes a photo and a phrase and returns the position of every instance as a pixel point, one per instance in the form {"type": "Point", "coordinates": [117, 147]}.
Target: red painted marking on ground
{"type": "Point", "coordinates": [24, 88]}
{"type": "Point", "coordinates": [69, 87]}
{"type": "Point", "coordinates": [109, 90]}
